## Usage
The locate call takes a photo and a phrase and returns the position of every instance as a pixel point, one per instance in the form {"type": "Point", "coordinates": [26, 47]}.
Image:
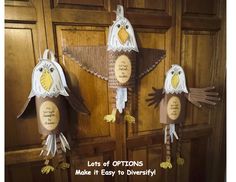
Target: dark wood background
{"type": "Point", "coordinates": [193, 34]}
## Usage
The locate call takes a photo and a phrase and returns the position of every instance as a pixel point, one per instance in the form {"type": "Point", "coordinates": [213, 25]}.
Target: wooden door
{"type": "Point", "coordinates": [193, 34]}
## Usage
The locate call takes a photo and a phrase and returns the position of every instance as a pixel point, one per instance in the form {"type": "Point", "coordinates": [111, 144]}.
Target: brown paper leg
{"type": "Point", "coordinates": [168, 149]}
{"type": "Point", "coordinates": [180, 160]}
{"type": "Point", "coordinates": [47, 168]}
{"type": "Point", "coordinates": [61, 156]}
{"type": "Point", "coordinates": [128, 109]}
{"type": "Point", "coordinates": [167, 164]}
{"type": "Point", "coordinates": [112, 117]}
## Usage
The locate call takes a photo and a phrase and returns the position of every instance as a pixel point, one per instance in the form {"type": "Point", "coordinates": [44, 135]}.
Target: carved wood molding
{"type": "Point", "coordinates": [189, 132]}
{"type": "Point", "coordinates": [201, 23]}
{"type": "Point", "coordinates": [32, 154]}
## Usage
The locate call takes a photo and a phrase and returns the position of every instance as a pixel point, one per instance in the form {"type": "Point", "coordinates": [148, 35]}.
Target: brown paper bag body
{"type": "Point", "coordinates": [118, 74]}
{"type": "Point", "coordinates": [172, 108]}
{"type": "Point", "coordinates": [51, 114]}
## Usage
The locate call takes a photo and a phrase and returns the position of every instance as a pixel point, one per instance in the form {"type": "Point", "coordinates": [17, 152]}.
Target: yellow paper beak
{"type": "Point", "coordinates": [175, 81]}
{"type": "Point", "coordinates": [123, 35]}
{"type": "Point", "coordinates": [46, 80]}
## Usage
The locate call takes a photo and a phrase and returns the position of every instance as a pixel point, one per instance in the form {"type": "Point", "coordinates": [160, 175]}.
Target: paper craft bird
{"type": "Point", "coordinates": [48, 99]}
{"type": "Point", "coordinates": [172, 101]}
{"type": "Point", "coordinates": [121, 63]}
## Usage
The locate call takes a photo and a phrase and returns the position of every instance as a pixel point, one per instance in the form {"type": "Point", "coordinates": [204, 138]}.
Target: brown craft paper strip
{"type": "Point", "coordinates": [155, 97]}
{"type": "Point", "coordinates": [28, 110]}
{"type": "Point", "coordinates": [202, 95]}
{"type": "Point", "coordinates": [76, 103]}
{"type": "Point", "coordinates": [148, 59]}
{"type": "Point", "coordinates": [93, 59]}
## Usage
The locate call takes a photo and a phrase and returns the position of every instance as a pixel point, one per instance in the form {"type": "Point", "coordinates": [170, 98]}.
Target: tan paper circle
{"type": "Point", "coordinates": [49, 115]}
{"type": "Point", "coordinates": [173, 108]}
{"type": "Point", "coordinates": [122, 69]}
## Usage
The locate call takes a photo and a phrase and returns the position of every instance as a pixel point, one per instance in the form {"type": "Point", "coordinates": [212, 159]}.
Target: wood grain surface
{"type": "Point", "coordinates": [193, 34]}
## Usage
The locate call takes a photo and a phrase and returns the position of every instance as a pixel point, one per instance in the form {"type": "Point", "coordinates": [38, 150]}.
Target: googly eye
{"type": "Point", "coordinates": [51, 69]}
{"type": "Point", "coordinates": [172, 72]}
{"type": "Point", "coordinates": [179, 72]}
{"type": "Point", "coordinates": [118, 25]}
{"type": "Point", "coordinates": [127, 26]}
{"type": "Point", "coordinates": [40, 69]}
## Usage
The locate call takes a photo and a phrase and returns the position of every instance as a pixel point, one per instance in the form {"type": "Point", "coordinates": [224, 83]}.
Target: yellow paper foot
{"type": "Point", "coordinates": [166, 165]}
{"type": "Point", "coordinates": [180, 161]}
{"type": "Point", "coordinates": [110, 118]}
{"type": "Point", "coordinates": [64, 165]}
{"type": "Point", "coordinates": [129, 118]}
{"type": "Point", "coordinates": [47, 169]}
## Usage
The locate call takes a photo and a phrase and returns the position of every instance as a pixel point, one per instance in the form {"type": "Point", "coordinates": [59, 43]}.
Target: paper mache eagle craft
{"type": "Point", "coordinates": [172, 100]}
{"type": "Point", "coordinates": [50, 99]}
{"type": "Point", "coordinates": [121, 63]}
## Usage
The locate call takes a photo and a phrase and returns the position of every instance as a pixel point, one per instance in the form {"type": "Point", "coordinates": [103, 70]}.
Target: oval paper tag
{"type": "Point", "coordinates": [123, 69]}
{"type": "Point", "coordinates": [49, 115]}
{"type": "Point", "coordinates": [173, 108]}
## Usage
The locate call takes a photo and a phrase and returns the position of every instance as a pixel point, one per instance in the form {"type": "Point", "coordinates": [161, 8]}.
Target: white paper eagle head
{"type": "Point", "coordinates": [48, 79]}
{"type": "Point", "coordinates": [175, 81]}
{"type": "Point", "coordinates": [121, 34]}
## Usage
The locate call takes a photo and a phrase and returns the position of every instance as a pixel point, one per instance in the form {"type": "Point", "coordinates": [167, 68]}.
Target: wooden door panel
{"type": "Point", "coordinates": [198, 57]}
{"type": "Point", "coordinates": [192, 33]}
{"type": "Point", "coordinates": [151, 157]}
{"type": "Point", "coordinates": [200, 7]}
{"type": "Point", "coordinates": [147, 4]}
{"type": "Point", "coordinates": [82, 163]}
{"type": "Point", "coordinates": [20, 11]}
{"type": "Point", "coordinates": [78, 12]}
{"type": "Point", "coordinates": [148, 118]}
{"type": "Point", "coordinates": [93, 152]}
{"type": "Point", "coordinates": [81, 35]}
{"type": "Point", "coordinates": [93, 126]}
{"type": "Point", "coordinates": [154, 160]}
{"type": "Point", "coordinates": [82, 4]}
{"type": "Point", "coordinates": [198, 160]}
{"type": "Point", "coordinates": [138, 154]}
{"type": "Point", "coordinates": [183, 171]}
{"type": "Point", "coordinates": [27, 172]}
{"type": "Point", "coordinates": [20, 60]}
{"type": "Point", "coordinates": [93, 89]}
{"type": "Point", "coordinates": [22, 50]}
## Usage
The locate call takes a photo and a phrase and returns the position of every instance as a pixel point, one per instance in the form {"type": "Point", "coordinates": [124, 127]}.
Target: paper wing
{"type": "Point", "coordinates": [93, 59]}
{"type": "Point", "coordinates": [76, 103]}
{"type": "Point", "coordinates": [202, 95]}
{"type": "Point", "coordinates": [155, 97]}
{"type": "Point", "coordinates": [28, 110]}
{"type": "Point", "coordinates": [148, 59]}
